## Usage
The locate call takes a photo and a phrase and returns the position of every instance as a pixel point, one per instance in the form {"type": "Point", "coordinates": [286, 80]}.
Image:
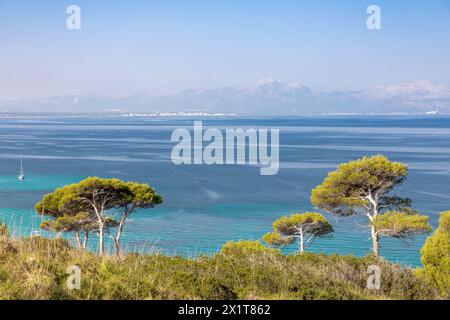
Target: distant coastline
{"type": "Point", "coordinates": [268, 97]}
{"type": "Point", "coordinates": [178, 114]}
{"type": "Point", "coordinates": [189, 114]}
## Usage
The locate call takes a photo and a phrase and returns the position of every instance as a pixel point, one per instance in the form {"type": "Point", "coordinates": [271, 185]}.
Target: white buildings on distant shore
{"type": "Point", "coordinates": [177, 114]}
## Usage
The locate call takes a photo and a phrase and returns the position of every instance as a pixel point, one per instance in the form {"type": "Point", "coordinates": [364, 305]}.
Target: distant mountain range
{"type": "Point", "coordinates": [266, 97]}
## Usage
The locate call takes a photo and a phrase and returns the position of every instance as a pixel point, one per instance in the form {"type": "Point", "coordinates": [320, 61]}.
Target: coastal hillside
{"type": "Point", "coordinates": [39, 268]}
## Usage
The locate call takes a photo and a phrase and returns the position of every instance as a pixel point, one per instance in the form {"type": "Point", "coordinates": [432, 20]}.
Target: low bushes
{"type": "Point", "coordinates": [35, 268]}
{"type": "Point", "coordinates": [436, 257]}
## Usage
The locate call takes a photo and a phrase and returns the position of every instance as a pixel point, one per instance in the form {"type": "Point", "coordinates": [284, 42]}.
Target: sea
{"type": "Point", "coordinates": [207, 205]}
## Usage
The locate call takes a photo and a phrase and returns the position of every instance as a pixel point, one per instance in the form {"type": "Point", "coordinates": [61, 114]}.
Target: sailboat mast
{"type": "Point", "coordinates": [21, 175]}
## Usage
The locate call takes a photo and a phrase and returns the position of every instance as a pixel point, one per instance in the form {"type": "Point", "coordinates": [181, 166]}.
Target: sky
{"type": "Point", "coordinates": [164, 46]}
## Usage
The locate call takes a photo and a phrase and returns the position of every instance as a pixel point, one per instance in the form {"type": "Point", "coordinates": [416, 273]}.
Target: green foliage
{"type": "Point", "coordinates": [363, 187]}
{"type": "Point", "coordinates": [316, 222]}
{"type": "Point", "coordinates": [305, 226]}
{"type": "Point", "coordinates": [35, 268]}
{"type": "Point", "coordinates": [142, 195]}
{"type": "Point", "coordinates": [90, 195]}
{"type": "Point", "coordinates": [245, 248]}
{"type": "Point", "coordinates": [436, 257]}
{"type": "Point", "coordinates": [401, 224]}
{"type": "Point", "coordinates": [344, 191]}
{"type": "Point", "coordinates": [49, 205]}
{"type": "Point", "coordinates": [4, 232]}
{"type": "Point", "coordinates": [276, 239]}
{"type": "Point", "coordinates": [95, 193]}
{"type": "Point", "coordinates": [188, 284]}
{"type": "Point", "coordinates": [84, 206]}
{"type": "Point", "coordinates": [80, 222]}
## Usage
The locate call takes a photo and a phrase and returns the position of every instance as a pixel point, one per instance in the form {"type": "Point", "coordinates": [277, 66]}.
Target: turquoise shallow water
{"type": "Point", "coordinates": [207, 205]}
{"type": "Point", "coordinates": [35, 182]}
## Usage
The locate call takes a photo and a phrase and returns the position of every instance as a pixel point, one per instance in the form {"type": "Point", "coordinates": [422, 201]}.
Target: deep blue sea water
{"type": "Point", "coordinates": [207, 205]}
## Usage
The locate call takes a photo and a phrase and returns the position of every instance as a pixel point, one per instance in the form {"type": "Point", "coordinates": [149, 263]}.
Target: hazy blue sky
{"type": "Point", "coordinates": [159, 46]}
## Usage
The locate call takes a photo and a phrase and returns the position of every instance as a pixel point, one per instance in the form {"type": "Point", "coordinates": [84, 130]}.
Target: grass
{"type": "Point", "coordinates": [35, 268]}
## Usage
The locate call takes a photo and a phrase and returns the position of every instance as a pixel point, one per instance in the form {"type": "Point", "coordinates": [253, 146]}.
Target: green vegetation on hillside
{"type": "Point", "coordinates": [36, 268]}
{"type": "Point", "coordinates": [4, 232]}
{"type": "Point", "coordinates": [436, 257]}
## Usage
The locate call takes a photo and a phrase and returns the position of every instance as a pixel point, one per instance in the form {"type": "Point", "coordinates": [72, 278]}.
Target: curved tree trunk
{"type": "Point", "coordinates": [119, 236]}
{"type": "Point", "coordinates": [117, 245]}
{"type": "Point", "coordinates": [375, 238]}
{"type": "Point", "coordinates": [122, 222]}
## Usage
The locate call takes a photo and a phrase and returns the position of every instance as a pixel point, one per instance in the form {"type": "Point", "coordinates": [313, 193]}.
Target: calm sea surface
{"type": "Point", "coordinates": [207, 205]}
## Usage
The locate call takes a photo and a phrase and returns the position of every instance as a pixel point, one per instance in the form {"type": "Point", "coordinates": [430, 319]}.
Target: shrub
{"type": "Point", "coordinates": [35, 268]}
{"type": "Point", "coordinates": [245, 247]}
{"type": "Point", "coordinates": [4, 232]}
{"type": "Point", "coordinates": [436, 257]}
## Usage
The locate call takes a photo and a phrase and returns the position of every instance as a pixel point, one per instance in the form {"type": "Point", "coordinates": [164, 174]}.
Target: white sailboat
{"type": "Point", "coordinates": [22, 174]}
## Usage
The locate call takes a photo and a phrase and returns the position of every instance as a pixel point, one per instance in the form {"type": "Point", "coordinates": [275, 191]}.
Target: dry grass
{"type": "Point", "coordinates": [35, 268]}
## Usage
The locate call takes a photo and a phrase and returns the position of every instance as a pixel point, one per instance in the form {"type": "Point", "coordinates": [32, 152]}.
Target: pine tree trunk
{"type": "Point", "coordinates": [119, 236]}
{"type": "Point", "coordinates": [117, 245]}
{"type": "Point", "coordinates": [120, 230]}
{"type": "Point", "coordinates": [77, 237]}
{"type": "Point", "coordinates": [372, 218]}
{"type": "Point", "coordinates": [376, 242]}
{"type": "Point", "coordinates": [302, 243]}
{"type": "Point", "coordinates": [101, 234]}
{"type": "Point", "coordinates": [85, 241]}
